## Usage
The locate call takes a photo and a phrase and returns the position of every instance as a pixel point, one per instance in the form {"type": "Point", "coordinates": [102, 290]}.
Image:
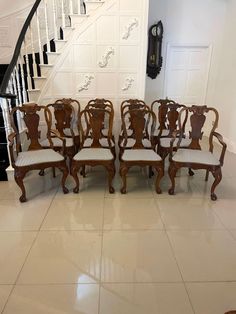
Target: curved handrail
{"type": "Point", "coordinates": [20, 40]}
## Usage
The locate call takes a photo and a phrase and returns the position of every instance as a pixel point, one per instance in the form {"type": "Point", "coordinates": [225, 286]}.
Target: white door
{"type": "Point", "coordinates": [187, 70]}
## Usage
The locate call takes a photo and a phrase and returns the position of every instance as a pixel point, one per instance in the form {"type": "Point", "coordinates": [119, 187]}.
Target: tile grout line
{"type": "Point", "coordinates": [185, 287]}
{"type": "Point", "coordinates": [100, 270]}
{"type": "Point", "coordinates": [223, 224]}
{"type": "Point", "coordinates": [37, 233]}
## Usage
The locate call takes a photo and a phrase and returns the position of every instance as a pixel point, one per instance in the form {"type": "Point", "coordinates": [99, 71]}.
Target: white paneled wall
{"type": "Point", "coordinates": [105, 56]}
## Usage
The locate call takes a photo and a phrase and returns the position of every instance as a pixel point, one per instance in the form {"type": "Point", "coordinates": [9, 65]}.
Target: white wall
{"type": "Point", "coordinates": [12, 16]}
{"type": "Point", "coordinates": [188, 22]}
{"type": "Point", "coordinates": [225, 91]}
{"type": "Point", "coordinates": [8, 7]}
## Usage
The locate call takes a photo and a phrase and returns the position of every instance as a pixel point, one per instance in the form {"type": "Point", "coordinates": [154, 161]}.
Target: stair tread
{"type": "Point", "coordinates": [33, 90]}
{"type": "Point", "coordinates": [61, 40]}
{"type": "Point", "coordinates": [39, 77]}
{"type": "Point", "coordinates": [46, 65]}
{"type": "Point", "coordinates": [68, 27]}
{"type": "Point", "coordinates": [79, 15]}
{"type": "Point", "coordinates": [53, 52]}
{"type": "Point", "coordinates": [93, 1]}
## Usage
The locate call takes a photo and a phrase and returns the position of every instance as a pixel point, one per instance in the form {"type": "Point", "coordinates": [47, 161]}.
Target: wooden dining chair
{"type": "Point", "coordinates": [91, 126]}
{"type": "Point", "coordinates": [143, 125]}
{"type": "Point", "coordinates": [65, 120]}
{"type": "Point", "coordinates": [193, 156]}
{"type": "Point", "coordinates": [128, 105]}
{"type": "Point", "coordinates": [33, 157]}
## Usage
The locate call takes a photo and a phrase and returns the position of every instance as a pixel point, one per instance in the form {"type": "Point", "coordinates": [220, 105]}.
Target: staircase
{"type": "Point", "coordinates": [78, 49]}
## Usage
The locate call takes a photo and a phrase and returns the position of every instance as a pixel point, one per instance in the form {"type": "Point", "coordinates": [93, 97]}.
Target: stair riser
{"type": "Point", "coordinates": [77, 20]}
{"type": "Point", "coordinates": [67, 33]}
{"type": "Point", "coordinates": [45, 71]}
{"type": "Point", "coordinates": [90, 7]}
{"type": "Point", "coordinates": [39, 82]}
{"type": "Point", "coordinates": [33, 96]}
{"type": "Point", "coordinates": [60, 45]}
{"type": "Point", "coordinates": [52, 58]}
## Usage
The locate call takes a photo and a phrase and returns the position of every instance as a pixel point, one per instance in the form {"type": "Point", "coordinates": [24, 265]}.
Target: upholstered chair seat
{"type": "Point", "coordinates": [140, 155]}
{"type": "Point", "coordinates": [93, 154]}
{"type": "Point", "coordinates": [164, 132]}
{"type": "Point", "coordinates": [165, 142]}
{"type": "Point", "coordinates": [57, 142]}
{"type": "Point", "coordinates": [195, 156]}
{"type": "Point", "coordinates": [131, 141]}
{"type": "Point", "coordinates": [34, 157]}
{"type": "Point", "coordinates": [103, 142]}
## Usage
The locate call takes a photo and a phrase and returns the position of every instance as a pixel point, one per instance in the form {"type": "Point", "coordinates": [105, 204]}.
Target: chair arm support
{"type": "Point", "coordinates": [224, 146]}
{"type": "Point", "coordinates": [11, 138]}
{"type": "Point", "coordinates": [55, 133]}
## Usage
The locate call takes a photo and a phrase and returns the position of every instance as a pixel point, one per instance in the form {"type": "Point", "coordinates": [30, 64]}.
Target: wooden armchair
{"type": "Point", "coordinates": [91, 127]}
{"type": "Point", "coordinates": [123, 142]}
{"type": "Point", "coordinates": [66, 113]}
{"type": "Point", "coordinates": [35, 157]}
{"type": "Point", "coordinates": [192, 156]}
{"type": "Point", "coordinates": [143, 126]}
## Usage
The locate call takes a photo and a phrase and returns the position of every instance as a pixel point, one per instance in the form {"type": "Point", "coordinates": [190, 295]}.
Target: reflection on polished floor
{"type": "Point", "coordinates": [140, 253]}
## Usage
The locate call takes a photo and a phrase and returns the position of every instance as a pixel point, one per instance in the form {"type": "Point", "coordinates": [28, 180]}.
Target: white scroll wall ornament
{"type": "Point", "coordinates": [128, 83]}
{"type": "Point", "coordinates": [87, 82]}
{"type": "Point", "coordinates": [129, 28]}
{"type": "Point", "coordinates": [106, 57]}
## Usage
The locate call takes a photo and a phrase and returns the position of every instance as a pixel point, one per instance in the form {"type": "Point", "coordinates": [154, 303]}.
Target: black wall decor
{"type": "Point", "coordinates": [154, 57]}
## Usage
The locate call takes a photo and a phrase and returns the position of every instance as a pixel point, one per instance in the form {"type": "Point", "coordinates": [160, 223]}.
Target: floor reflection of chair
{"type": "Point", "coordinates": [91, 126]}
{"type": "Point", "coordinates": [35, 157]}
{"type": "Point", "coordinates": [192, 156]}
{"type": "Point", "coordinates": [143, 124]}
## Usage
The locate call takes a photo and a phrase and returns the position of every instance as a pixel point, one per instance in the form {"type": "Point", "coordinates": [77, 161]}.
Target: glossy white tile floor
{"type": "Point", "coordinates": [140, 253]}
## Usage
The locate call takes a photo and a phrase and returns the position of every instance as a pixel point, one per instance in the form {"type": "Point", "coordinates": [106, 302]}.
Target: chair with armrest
{"type": "Point", "coordinates": [193, 156]}
{"type": "Point", "coordinates": [65, 114]}
{"type": "Point", "coordinates": [35, 157]}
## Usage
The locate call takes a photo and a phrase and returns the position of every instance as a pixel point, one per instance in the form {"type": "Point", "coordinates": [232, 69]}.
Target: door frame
{"type": "Point", "coordinates": [188, 45]}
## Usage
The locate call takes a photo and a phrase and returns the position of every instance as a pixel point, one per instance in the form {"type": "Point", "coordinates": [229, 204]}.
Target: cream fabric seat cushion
{"type": "Point", "coordinates": [103, 142]}
{"type": "Point", "coordinates": [94, 154]}
{"type": "Point", "coordinates": [140, 155]}
{"type": "Point", "coordinates": [196, 156]}
{"type": "Point", "coordinates": [37, 157]}
{"type": "Point", "coordinates": [131, 142]}
{"type": "Point", "coordinates": [164, 132]}
{"type": "Point", "coordinates": [57, 142]}
{"type": "Point", "coordinates": [165, 142]}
